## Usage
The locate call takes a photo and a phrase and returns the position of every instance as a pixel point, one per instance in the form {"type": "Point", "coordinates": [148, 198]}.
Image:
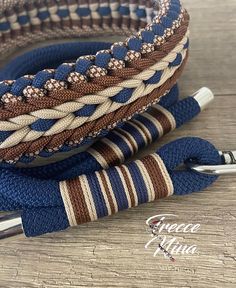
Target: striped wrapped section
{"type": "Point", "coordinates": [122, 143]}
{"type": "Point", "coordinates": [92, 196]}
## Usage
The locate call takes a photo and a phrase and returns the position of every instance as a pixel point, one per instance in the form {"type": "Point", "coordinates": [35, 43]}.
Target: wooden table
{"type": "Point", "coordinates": [110, 252]}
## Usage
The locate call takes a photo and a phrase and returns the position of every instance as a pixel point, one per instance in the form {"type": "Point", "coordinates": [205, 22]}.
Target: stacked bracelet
{"type": "Point", "coordinates": [88, 185]}
{"type": "Point", "coordinates": [59, 109]}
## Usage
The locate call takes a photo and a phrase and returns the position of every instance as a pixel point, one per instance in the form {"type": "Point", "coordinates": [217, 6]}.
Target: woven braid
{"type": "Point", "coordinates": [69, 121]}
{"type": "Point", "coordinates": [92, 66]}
{"type": "Point", "coordinates": [78, 101]}
{"type": "Point", "coordinates": [92, 129]}
{"type": "Point", "coordinates": [83, 17]}
{"type": "Point", "coordinates": [96, 85]}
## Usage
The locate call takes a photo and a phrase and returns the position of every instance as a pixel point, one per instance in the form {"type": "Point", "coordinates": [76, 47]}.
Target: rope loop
{"type": "Point", "coordinates": [183, 151]}
{"type": "Point", "coordinates": [52, 205]}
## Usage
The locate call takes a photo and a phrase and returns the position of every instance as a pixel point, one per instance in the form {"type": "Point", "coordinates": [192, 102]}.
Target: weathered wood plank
{"type": "Point", "coordinates": [110, 252]}
{"type": "Point", "coordinates": [212, 60]}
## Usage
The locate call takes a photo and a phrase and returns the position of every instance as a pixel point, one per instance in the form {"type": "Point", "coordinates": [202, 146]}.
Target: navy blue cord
{"type": "Point", "coordinates": [49, 57]}
{"type": "Point", "coordinates": [44, 219]}
{"type": "Point", "coordinates": [39, 196]}
{"type": "Point", "coordinates": [84, 163]}
{"type": "Point", "coordinates": [41, 203]}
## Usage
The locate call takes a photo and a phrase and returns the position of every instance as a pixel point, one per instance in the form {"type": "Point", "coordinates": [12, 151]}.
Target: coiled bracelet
{"type": "Point", "coordinates": [106, 100]}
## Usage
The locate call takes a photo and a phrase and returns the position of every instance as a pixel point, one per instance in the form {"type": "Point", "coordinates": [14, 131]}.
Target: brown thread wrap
{"type": "Point", "coordinates": [101, 123]}
{"type": "Point", "coordinates": [76, 91]}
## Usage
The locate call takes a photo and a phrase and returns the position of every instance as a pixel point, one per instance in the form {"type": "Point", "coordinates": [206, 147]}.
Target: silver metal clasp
{"type": "Point", "coordinates": [227, 168]}
{"type": "Point", "coordinates": [10, 225]}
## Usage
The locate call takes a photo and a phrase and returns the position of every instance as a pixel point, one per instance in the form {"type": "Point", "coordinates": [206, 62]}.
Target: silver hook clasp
{"type": "Point", "coordinates": [10, 225]}
{"type": "Point", "coordinates": [228, 167]}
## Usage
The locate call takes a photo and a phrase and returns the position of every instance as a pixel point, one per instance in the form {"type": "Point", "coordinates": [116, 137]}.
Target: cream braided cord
{"type": "Point", "coordinates": [64, 112]}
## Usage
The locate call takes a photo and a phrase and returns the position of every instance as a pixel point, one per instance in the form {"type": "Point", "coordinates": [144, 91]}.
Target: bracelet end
{"type": "Point", "coordinates": [10, 225]}
{"type": "Point", "coordinates": [204, 97]}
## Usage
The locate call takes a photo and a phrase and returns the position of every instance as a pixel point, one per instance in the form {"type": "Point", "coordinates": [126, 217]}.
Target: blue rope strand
{"type": "Point", "coordinates": [49, 57]}
{"type": "Point", "coordinates": [43, 204]}
{"type": "Point", "coordinates": [41, 220]}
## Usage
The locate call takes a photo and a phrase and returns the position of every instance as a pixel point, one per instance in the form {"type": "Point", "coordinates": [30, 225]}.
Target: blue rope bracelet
{"type": "Point", "coordinates": [81, 91]}
{"type": "Point", "coordinates": [49, 57]}
{"type": "Point", "coordinates": [109, 101]}
{"type": "Point", "coordinates": [43, 208]}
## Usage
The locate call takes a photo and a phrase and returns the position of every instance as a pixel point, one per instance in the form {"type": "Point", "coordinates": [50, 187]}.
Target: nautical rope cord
{"type": "Point", "coordinates": [106, 102]}
{"type": "Point", "coordinates": [67, 106]}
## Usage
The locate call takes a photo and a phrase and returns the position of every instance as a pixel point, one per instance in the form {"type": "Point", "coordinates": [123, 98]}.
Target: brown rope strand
{"type": "Point", "coordinates": [79, 133]}
{"type": "Point", "coordinates": [76, 91]}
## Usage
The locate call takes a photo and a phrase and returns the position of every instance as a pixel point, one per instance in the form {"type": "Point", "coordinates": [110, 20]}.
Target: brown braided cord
{"type": "Point", "coordinates": [76, 91]}
{"type": "Point", "coordinates": [78, 134]}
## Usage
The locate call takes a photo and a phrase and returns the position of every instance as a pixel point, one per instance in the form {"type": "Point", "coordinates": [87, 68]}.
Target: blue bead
{"type": "Point", "coordinates": [41, 78]}
{"type": "Point", "coordinates": [102, 60]}
{"type": "Point", "coordinates": [135, 44]}
{"type": "Point", "coordinates": [43, 15]}
{"type": "Point", "coordinates": [119, 52]}
{"type": "Point", "coordinates": [23, 19]}
{"type": "Point", "coordinates": [175, 8]}
{"type": "Point", "coordinates": [175, 2]}
{"type": "Point", "coordinates": [141, 13]}
{"type": "Point", "coordinates": [124, 10]}
{"type": "Point", "coordinates": [5, 26]}
{"type": "Point", "coordinates": [104, 11]}
{"type": "Point", "coordinates": [148, 36]}
{"type": "Point", "coordinates": [42, 124]}
{"type": "Point", "coordinates": [123, 96]}
{"type": "Point", "coordinates": [63, 13]}
{"type": "Point", "coordinates": [83, 12]}
{"type": "Point", "coordinates": [82, 65]}
{"type": "Point", "coordinates": [158, 29]}
{"type": "Point", "coordinates": [4, 89]}
{"type": "Point", "coordinates": [172, 15]}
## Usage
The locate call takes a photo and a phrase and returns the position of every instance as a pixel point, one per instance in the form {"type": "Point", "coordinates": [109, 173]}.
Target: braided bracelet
{"type": "Point", "coordinates": [104, 101]}
{"type": "Point", "coordinates": [88, 186]}
{"type": "Point", "coordinates": [58, 109]}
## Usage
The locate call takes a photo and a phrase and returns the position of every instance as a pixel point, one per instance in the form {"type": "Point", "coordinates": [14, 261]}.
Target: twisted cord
{"type": "Point", "coordinates": [45, 207]}
{"type": "Point", "coordinates": [70, 121]}
{"type": "Point", "coordinates": [157, 122]}
{"type": "Point", "coordinates": [18, 18]}
{"type": "Point", "coordinates": [84, 88]}
{"type": "Point", "coordinates": [111, 119]}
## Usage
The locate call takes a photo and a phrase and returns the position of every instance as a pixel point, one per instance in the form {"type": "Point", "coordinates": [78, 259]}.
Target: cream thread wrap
{"type": "Point", "coordinates": [68, 121]}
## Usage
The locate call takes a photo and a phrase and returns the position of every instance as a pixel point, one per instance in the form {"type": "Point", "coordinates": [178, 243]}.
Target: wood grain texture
{"type": "Point", "coordinates": [110, 252]}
